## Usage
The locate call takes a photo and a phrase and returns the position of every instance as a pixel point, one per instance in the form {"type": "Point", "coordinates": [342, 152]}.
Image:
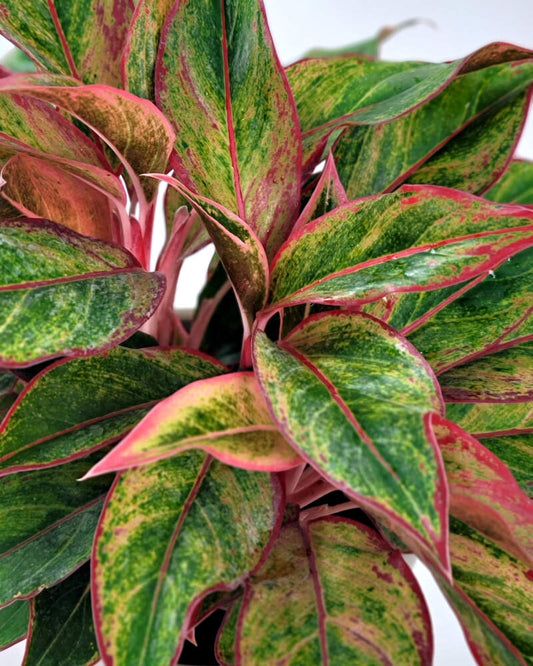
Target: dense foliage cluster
{"type": "Point", "coordinates": [356, 382]}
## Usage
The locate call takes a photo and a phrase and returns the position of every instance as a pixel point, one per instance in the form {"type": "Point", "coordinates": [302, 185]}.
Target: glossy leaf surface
{"type": "Point", "coordinates": [226, 416]}
{"type": "Point", "coordinates": [515, 186]}
{"type": "Point", "coordinates": [495, 311]}
{"type": "Point", "coordinates": [92, 401]}
{"type": "Point", "coordinates": [62, 630]}
{"type": "Point", "coordinates": [354, 398]}
{"type": "Point", "coordinates": [47, 528]}
{"type": "Point", "coordinates": [498, 584]}
{"type": "Point", "coordinates": [483, 492]}
{"type": "Point", "coordinates": [417, 238]}
{"type": "Point", "coordinates": [166, 537]}
{"type": "Point", "coordinates": [14, 621]}
{"type": "Point", "coordinates": [237, 134]}
{"type": "Point", "coordinates": [134, 127]}
{"type": "Point", "coordinates": [372, 613]}
{"type": "Point", "coordinates": [64, 294]}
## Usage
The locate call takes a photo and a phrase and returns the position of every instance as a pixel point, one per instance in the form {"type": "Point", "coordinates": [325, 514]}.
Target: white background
{"type": "Point", "coordinates": [461, 26]}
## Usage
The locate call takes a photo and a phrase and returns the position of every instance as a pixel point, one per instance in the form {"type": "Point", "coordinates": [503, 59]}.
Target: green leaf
{"type": "Point", "coordinates": [41, 188]}
{"type": "Point", "coordinates": [474, 159]}
{"type": "Point", "coordinates": [517, 453]}
{"type": "Point", "coordinates": [64, 294]}
{"type": "Point", "coordinates": [493, 313]}
{"type": "Point", "coordinates": [225, 640]}
{"type": "Point", "coordinates": [171, 532]}
{"type": "Point", "coordinates": [71, 37]}
{"type": "Point", "coordinates": [375, 157]}
{"type": "Point", "coordinates": [483, 492]}
{"type": "Point", "coordinates": [418, 238]}
{"type": "Point", "coordinates": [47, 527]}
{"type": "Point", "coordinates": [225, 416]}
{"type": "Point", "coordinates": [237, 246]}
{"type": "Point", "coordinates": [14, 620]}
{"type": "Point", "coordinates": [87, 403]}
{"type": "Point", "coordinates": [498, 584]}
{"type": "Point", "coordinates": [237, 134]}
{"type": "Point", "coordinates": [515, 186]}
{"type": "Point", "coordinates": [140, 52]}
{"type": "Point", "coordinates": [367, 608]}
{"type": "Point", "coordinates": [133, 127]}
{"type": "Point", "coordinates": [489, 646]}
{"type": "Point", "coordinates": [354, 398]}
{"type": "Point", "coordinates": [17, 61]}
{"type": "Point", "coordinates": [62, 630]}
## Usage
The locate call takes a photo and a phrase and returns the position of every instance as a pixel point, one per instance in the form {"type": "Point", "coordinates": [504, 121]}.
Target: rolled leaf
{"type": "Point", "coordinates": [354, 398]}
{"type": "Point", "coordinates": [496, 311]}
{"type": "Point", "coordinates": [90, 402]}
{"type": "Point", "coordinates": [62, 630]}
{"type": "Point", "coordinates": [225, 416]}
{"type": "Point", "coordinates": [64, 294]}
{"type": "Point", "coordinates": [171, 532]}
{"type": "Point", "coordinates": [14, 620]}
{"type": "Point", "coordinates": [48, 523]}
{"type": "Point", "coordinates": [134, 127]}
{"type": "Point", "coordinates": [365, 609]}
{"type": "Point", "coordinates": [236, 141]}
{"type": "Point", "coordinates": [237, 246]}
{"type": "Point", "coordinates": [497, 583]}
{"type": "Point", "coordinates": [484, 493]}
{"type": "Point", "coordinates": [515, 186]}
{"type": "Point", "coordinates": [419, 238]}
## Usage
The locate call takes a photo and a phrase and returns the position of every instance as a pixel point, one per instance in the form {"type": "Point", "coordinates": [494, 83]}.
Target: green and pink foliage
{"type": "Point", "coordinates": [355, 384]}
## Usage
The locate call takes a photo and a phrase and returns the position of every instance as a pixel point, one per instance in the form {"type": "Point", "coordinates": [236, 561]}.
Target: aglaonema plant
{"type": "Point", "coordinates": [355, 384]}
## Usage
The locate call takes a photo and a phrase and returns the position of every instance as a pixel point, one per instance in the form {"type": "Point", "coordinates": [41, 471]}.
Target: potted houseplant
{"type": "Point", "coordinates": [355, 383]}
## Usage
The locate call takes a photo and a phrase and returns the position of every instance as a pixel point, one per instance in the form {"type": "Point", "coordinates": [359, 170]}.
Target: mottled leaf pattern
{"type": "Point", "coordinates": [64, 294]}
{"type": "Point", "coordinates": [516, 452]}
{"type": "Point", "coordinates": [498, 584]}
{"type": "Point", "coordinates": [324, 614]}
{"type": "Point", "coordinates": [167, 536]}
{"type": "Point", "coordinates": [90, 402]}
{"type": "Point", "coordinates": [62, 630]}
{"type": "Point", "coordinates": [483, 492]}
{"type": "Point", "coordinates": [225, 416]}
{"type": "Point", "coordinates": [14, 621]}
{"type": "Point", "coordinates": [515, 186]}
{"type": "Point", "coordinates": [367, 249]}
{"type": "Point", "coordinates": [237, 135]}
{"type": "Point", "coordinates": [355, 400]}
{"type": "Point", "coordinates": [47, 527]}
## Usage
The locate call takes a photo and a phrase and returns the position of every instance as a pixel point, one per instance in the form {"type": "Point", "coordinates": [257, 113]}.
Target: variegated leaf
{"type": "Point", "coordinates": [515, 186]}
{"type": "Point", "coordinates": [225, 416]}
{"type": "Point", "coordinates": [90, 402]}
{"type": "Point", "coordinates": [354, 398]}
{"type": "Point", "coordinates": [64, 294]}
{"type": "Point", "coordinates": [367, 608]}
{"type": "Point", "coordinates": [237, 134]}
{"type": "Point", "coordinates": [418, 238]}
{"type": "Point", "coordinates": [497, 583]}
{"type": "Point", "coordinates": [47, 527]}
{"type": "Point", "coordinates": [171, 532]}
{"type": "Point", "coordinates": [516, 452]}
{"type": "Point", "coordinates": [483, 492]}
